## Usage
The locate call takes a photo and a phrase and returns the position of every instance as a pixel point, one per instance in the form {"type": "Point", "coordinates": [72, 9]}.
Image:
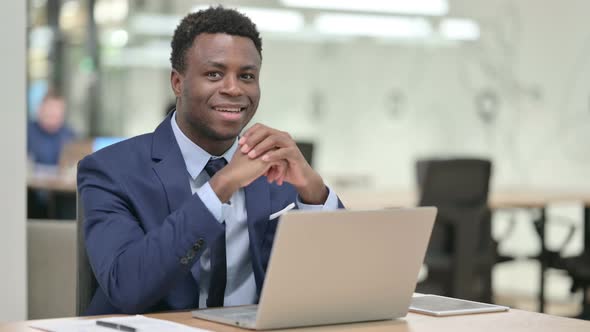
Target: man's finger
{"type": "Point", "coordinates": [270, 143]}
{"type": "Point", "coordinates": [279, 154]}
{"type": "Point", "coordinates": [281, 176]}
{"type": "Point", "coordinates": [255, 137]}
{"type": "Point", "coordinates": [249, 131]}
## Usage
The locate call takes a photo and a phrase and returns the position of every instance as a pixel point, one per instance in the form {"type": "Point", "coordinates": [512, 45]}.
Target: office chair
{"type": "Point", "coordinates": [578, 268]}
{"type": "Point", "coordinates": [86, 283]}
{"type": "Point", "coordinates": [306, 149]}
{"type": "Point", "coordinates": [461, 252]}
{"type": "Point", "coordinates": [51, 268]}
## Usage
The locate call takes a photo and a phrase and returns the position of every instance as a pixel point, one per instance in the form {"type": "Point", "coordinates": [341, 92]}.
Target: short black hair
{"type": "Point", "coordinates": [53, 93]}
{"type": "Point", "coordinates": [211, 20]}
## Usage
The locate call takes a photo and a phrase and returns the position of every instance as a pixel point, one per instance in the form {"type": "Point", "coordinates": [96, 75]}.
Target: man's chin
{"type": "Point", "coordinates": [224, 135]}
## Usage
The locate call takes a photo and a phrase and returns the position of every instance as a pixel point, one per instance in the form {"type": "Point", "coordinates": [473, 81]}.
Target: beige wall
{"type": "Point", "coordinates": [534, 57]}
{"type": "Point", "coordinates": [12, 166]}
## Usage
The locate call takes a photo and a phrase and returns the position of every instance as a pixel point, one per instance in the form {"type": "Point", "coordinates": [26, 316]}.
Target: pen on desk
{"type": "Point", "coordinates": [115, 326]}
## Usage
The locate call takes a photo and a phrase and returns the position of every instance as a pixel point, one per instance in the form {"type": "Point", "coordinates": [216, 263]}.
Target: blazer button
{"type": "Point", "coordinates": [196, 247]}
{"type": "Point", "coordinates": [184, 261]}
{"type": "Point", "coordinates": [200, 242]}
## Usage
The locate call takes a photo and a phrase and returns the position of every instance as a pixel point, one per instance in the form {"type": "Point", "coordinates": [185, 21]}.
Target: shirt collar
{"type": "Point", "coordinates": [194, 156]}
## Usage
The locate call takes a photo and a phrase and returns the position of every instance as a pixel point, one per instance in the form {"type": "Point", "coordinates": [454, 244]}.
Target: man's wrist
{"type": "Point", "coordinates": [314, 192]}
{"type": "Point", "coordinates": [223, 186]}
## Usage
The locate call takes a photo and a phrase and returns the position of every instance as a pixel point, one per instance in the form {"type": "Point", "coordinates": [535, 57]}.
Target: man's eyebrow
{"type": "Point", "coordinates": [249, 67]}
{"type": "Point", "coordinates": [216, 64]}
{"type": "Point", "coordinates": [223, 66]}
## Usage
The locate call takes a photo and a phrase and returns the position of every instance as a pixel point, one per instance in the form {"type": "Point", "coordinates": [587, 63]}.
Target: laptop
{"type": "Point", "coordinates": [337, 267]}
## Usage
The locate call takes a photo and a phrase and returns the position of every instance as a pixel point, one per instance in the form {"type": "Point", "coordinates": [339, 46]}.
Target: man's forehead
{"type": "Point", "coordinates": [211, 46]}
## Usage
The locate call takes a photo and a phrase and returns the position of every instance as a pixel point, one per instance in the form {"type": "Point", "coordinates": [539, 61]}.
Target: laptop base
{"type": "Point", "coordinates": [241, 316]}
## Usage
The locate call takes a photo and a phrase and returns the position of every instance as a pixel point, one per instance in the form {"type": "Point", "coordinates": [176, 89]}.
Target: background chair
{"type": "Point", "coordinates": [306, 149]}
{"type": "Point", "coordinates": [51, 266]}
{"type": "Point", "coordinates": [578, 268]}
{"type": "Point", "coordinates": [461, 251]}
{"type": "Point", "coordinates": [86, 283]}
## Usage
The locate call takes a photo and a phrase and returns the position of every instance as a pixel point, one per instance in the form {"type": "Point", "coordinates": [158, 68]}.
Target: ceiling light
{"type": "Point", "coordinates": [106, 11]}
{"type": "Point", "coordinates": [116, 38]}
{"type": "Point", "coordinates": [69, 15]}
{"type": "Point", "coordinates": [373, 26]}
{"type": "Point", "coordinates": [413, 7]}
{"type": "Point", "coordinates": [459, 29]}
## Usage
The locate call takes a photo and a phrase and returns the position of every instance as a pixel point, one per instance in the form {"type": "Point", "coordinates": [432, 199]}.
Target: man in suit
{"type": "Point", "coordinates": [180, 218]}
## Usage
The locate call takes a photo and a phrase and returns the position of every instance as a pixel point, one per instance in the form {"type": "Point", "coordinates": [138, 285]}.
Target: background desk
{"type": "Point", "coordinates": [56, 183]}
{"type": "Point", "coordinates": [526, 198]}
{"type": "Point", "coordinates": [60, 191]}
{"type": "Point", "coordinates": [514, 320]}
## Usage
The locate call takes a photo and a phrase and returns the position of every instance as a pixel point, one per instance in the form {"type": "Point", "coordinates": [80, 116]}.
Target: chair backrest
{"type": "Point", "coordinates": [462, 232]}
{"type": "Point", "coordinates": [86, 283]}
{"type": "Point", "coordinates": [454, 182]}
{"type": "Point", "coordinates": [51, 266]}
{"type": "Point", "coordinates": [306, 149]}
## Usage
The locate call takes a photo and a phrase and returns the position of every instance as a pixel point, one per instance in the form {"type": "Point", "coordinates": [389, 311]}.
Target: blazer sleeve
{"type": "Point", "coordinates": [136, 269]}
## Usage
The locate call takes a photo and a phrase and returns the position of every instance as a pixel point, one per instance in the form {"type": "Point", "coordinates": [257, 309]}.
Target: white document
{"type": "Point", "coordinates": [139, 323]}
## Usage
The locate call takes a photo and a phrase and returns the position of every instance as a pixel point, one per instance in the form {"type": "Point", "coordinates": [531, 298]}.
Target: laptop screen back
{"type": "Point", "coordinates": [343, 266]}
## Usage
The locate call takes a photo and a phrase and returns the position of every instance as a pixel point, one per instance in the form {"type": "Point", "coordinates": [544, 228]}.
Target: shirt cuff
{"type": "Point", "coordinates": [330, 204]}
{"type": "Point", "coordinates": [211, 201]}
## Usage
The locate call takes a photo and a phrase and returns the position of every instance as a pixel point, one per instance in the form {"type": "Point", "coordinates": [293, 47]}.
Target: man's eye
{"type": "Point", "coordinates": [214, 75]}
{"type": "Point", "coordinates": [248, 76]}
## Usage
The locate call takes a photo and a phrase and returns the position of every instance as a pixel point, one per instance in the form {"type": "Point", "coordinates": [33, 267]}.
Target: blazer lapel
{"type": "Point", "coordinates": [170, 166]}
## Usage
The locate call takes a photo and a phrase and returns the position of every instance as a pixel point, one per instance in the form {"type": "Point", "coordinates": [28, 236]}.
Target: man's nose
{"type": "Point", "coordinates": [231, 86]}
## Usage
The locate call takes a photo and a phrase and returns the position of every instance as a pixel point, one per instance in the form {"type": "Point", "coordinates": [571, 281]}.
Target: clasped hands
{"type": "Point", "coordinates": [264, 151]}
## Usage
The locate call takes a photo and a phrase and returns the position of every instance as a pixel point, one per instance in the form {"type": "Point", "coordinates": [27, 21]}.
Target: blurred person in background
{"type": "Point", "coordinates": [45, 139]}
{"type": "Point", "coordinates": [48, 134]}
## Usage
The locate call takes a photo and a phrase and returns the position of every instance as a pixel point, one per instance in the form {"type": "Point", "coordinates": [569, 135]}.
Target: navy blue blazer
{"type": "Point", "coordinates": [144, 229]}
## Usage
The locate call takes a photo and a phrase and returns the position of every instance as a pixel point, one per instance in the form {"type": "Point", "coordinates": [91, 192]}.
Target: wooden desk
{"type": "Point", "coordinates": [59, 190]}
{"type": "Point", "coordinates": [514, 320]}
{"type": "Point", "coordinates": [527, 198]}
{"type": "Point", "coordinates": [499, 199]}
{"type": "Point", "coordinates": [53, 183]}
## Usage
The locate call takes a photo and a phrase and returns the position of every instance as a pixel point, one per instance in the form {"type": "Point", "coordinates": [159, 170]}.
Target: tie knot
{"type": "Point", "coordinates": [214, 165]}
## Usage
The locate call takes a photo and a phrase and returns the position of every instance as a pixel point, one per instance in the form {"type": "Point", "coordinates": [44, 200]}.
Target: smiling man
{"type": "Point", "coordinates": [185, 217]}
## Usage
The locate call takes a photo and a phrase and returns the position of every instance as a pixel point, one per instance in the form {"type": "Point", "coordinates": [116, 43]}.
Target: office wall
{"type": "Point", "coordinates": [532, 60]}
{"type": "Point", "coordinates": [12, 167]}
{"type": "Point", "coordinates": [400, 101]}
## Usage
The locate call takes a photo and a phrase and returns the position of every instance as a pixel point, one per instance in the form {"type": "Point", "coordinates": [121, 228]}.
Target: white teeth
{"type": "Point", "coordinates": [231, 110]}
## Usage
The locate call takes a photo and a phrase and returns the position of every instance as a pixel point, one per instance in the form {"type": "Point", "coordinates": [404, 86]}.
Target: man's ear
{"type": "Point", "coordinates": [176, 81]}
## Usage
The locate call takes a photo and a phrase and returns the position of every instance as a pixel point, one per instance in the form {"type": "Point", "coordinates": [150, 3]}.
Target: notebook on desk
{"type": "Point", "coordinates": [437, 305]}
{"type": "Point", "coordinates": [337, 267]}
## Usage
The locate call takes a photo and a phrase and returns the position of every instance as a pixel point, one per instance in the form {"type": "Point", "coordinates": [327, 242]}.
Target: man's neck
{"type": "Point", "coordinates": [212, 146]}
